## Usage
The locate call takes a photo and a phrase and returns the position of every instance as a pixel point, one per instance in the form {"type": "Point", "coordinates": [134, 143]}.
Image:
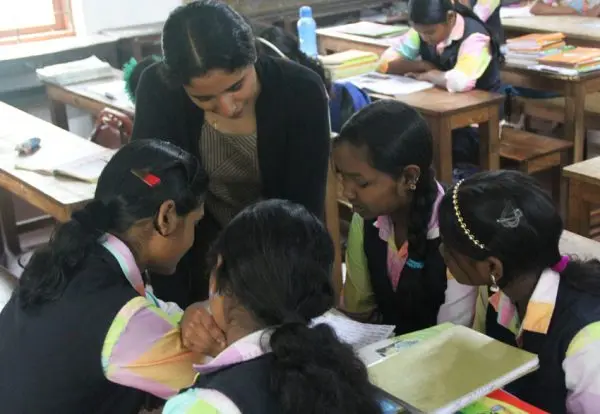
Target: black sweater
{"type": "Point", "coordinates": [292, 127]}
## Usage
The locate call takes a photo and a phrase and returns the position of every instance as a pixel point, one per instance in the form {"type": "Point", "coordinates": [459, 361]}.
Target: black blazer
{"type": "Point", "coordinates": [292, 127]}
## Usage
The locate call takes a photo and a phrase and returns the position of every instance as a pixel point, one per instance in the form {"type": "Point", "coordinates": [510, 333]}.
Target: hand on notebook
{"type": "Point", "coordinates": [200, 333]}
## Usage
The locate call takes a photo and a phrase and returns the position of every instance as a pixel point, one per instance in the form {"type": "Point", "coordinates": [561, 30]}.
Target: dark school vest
{"type": "Point", "coordinates": [430, 290]}
{"type": "Point", "coordinates": [546, 388]}
{"type": "Point", "coordinates": [489, 81]}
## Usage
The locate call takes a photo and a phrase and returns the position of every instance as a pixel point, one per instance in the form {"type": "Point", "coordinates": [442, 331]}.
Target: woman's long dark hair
{"type": "Point", "coordinates": [396, 136]}
{"type": "Point", "coordinates": [529, 243]}
{"type": "Point", "coordinates": [204, 35]}
{"type": "Point", "coordinates": [436, 12]}
{"type": "Point", "coordinates": [277, 261]}
{"type": "Point", "coordinates": [122, 198]}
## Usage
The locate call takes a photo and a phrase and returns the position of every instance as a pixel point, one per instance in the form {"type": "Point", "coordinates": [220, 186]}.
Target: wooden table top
{"type": "Point", "coordinates": [438, 102]}
{"type": "Point", "coordinates": [89, 90]}
{"type": "Point", "coordinates": [587, 171]}
{"type": "Point", "coordinates": [578, 27]}
{"type": "Point", "coordinates": [55, 196]}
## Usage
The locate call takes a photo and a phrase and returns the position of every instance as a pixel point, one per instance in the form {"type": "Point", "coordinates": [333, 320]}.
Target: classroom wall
{"type": "Point", "coordinates": [93, 16]}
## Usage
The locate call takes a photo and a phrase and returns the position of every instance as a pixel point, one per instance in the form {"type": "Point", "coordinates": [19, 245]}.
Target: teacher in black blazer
{"type": "Point", "coordinates": [259, 125]}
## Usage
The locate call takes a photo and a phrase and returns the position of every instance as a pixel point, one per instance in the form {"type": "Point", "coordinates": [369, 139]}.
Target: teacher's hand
{"type": "Point", "coordinates": [200, 333]}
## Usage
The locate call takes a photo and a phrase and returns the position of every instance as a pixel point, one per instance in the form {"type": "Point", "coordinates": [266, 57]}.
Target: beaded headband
{"type": "Point", "coordinates": [461, 220]}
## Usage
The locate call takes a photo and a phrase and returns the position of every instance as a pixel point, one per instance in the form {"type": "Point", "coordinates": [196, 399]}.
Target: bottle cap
{"type": "Point", "coordinates": [305, 11]}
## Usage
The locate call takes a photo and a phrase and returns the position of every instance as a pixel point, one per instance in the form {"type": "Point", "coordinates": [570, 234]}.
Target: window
{"type": "Point", "coordinates": [28, 20]}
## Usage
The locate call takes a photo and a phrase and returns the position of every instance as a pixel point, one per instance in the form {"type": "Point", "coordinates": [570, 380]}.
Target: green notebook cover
{"type": "Point", "coordinates": [450, 370]}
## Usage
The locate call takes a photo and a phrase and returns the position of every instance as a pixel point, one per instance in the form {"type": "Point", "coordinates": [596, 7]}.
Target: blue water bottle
{"type": "Point", "coordinates": [307, 32]}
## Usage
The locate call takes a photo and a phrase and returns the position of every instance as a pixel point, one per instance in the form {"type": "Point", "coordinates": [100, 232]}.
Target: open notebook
{"type": "Point", "coordinates": [448, 371]}
{"type": "Point", "coordinates": [390, 85]}
{"type": "Point", "coordinates": [87, 168]}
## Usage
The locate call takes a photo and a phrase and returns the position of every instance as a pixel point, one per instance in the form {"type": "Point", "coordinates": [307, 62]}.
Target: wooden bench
{"type": "Point", "coordinates": [533, 153]}
{"type": "Point", "coordinates": [553, 109]}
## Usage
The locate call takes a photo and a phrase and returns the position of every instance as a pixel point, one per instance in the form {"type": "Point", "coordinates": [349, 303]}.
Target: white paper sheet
{"type": "Point", "coordinates": [390, 85]}
{"type": "Point", "coordinates": [355, 333]}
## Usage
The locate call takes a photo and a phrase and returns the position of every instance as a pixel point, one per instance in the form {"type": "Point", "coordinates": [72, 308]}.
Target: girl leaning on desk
{"type": "Point", "coordinates": [258, 124]}
{"type": "Point", "coordinates": [449, 46]}
{"type": "Point", "coordinates": [501, 231]}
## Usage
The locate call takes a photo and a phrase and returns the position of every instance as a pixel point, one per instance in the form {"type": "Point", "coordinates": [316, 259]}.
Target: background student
{"type": "Point", "coordinates": [566, 7]}
{"type": "Point", "coordinates": [82, 333]}
{"type": "Point", "coordinates": [502, 231]}
{"type": "Point", "coordinates": [489, 13]}
{"type": "Point", "coordinates": [395, 274]}
{"type": "Point", "coordinates": [271, 275]}
{"type": "Point", "coordinates": [449, 46]}
{"type": "Point", "coordinates": [258, 124]}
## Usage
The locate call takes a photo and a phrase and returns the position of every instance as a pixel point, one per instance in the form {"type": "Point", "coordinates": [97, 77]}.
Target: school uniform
{"type": "Point", "coordinates": [98, 348]}
{"type": "Point", "coordinates": [468, 63]}
{"type": "Point", "coordinates": [579, 5]}
{"type": "Point", "coordinates": [489, 13]}
{"type": "Point", "coordinates": [561, 326]}
{"type": "Point", "coordinates": [236, 381]}
{"type": "Point", "coordinates": [375, 265]}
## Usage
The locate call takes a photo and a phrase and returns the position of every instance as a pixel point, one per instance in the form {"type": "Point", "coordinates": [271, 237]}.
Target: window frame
{"type": "Point", "coordinates": [62, 27]}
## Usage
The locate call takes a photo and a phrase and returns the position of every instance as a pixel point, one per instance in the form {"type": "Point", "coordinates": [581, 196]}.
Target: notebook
{"type": "Point", "coordinates": [87, 169]}
{"type": "Point", "coordinates": [354, 333]}
{"type": "Point", "coordinates": [390, 85]}
{"type": "Point", "coordinates": [499, 402]}
{"type": "Point", "coordinates": [450, 370]}
{"type": "Point", "coordinates": [574, 58]}
{"type": "Point", "coordinates": [374, 30]}
{"type": "Point", "coordinates": [535, 41]}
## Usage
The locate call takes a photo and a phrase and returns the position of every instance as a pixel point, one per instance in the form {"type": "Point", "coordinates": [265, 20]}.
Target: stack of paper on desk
{"type": "Point", "coordinates": [75, 71]}
{"type": "Point", "coordinates": [391, 85]}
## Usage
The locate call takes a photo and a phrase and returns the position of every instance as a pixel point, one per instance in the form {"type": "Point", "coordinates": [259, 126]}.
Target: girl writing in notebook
{"type": "Point", "coordinates": [271, 275]}
{"type": "Point", "coordinates": [500, 230]}
{"type": "Point", "coordinates": [82, 332]}
{"type": "Point", "coordinates": [449, 46]}
{"type": "Point", "coordinates": [395, 274]}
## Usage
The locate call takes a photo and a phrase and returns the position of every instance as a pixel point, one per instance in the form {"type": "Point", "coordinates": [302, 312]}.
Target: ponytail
{"type": "Point", "coordinates": [52, 267]}
{"type": "Point", "coordinates": [420, 303]}
{"type": "Point", "coordinates": [315, 373]}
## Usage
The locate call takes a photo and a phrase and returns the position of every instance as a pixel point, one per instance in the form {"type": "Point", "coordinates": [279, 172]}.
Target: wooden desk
{"type": "Point", "coordinates": [55, 196]}
{"type": "Point", "coordinates": [79, 96]}
{"type": "Point", "coordinates": [580, 30]}
{"type": "Point", "coordinates": [331, 40]}
{"type": "Point", "coordinates": [445, 111]}
{"type": "Point", "coordinates": [574, 89]}
{"type": "Point", "coordinates": [584, 191]}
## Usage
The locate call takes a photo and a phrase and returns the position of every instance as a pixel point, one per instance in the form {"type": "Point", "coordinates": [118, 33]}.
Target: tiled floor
{"type": "Point", "coordinates": [80, 124]}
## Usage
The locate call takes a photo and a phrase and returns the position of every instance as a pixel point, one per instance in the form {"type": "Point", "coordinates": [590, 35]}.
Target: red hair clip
{"type": "Point", "coordinates": [150, 179]}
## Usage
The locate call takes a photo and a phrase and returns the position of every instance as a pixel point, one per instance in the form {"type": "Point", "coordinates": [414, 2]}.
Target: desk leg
{"type": "Point", "coordinates": [489, 141]}
{"type": "Point", "coordinates": [578, 213]}
{"type": "Point", "coordinates": [575, 118]}
{"type": "Point", "coordinates": [58, 114]}
{"type": "Point", "coordinates": [9, 222]}
{"type": "Point", "coordinates": [442, 148]}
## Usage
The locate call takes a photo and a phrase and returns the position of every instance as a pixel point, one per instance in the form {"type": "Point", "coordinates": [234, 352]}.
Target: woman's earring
{"type": "Point", "coordinates": [494, 288]}
{"type": "Point", "coordinates": [412, 186]}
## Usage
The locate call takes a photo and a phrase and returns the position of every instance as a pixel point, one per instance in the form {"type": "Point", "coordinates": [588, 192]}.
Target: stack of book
{"type": "Point", "coordinates": [526, 50]}
{"type": "Point", "coordinates": [572, 62]}
{"type": "Point", "coordinates": [76, 71]}
{"type": "Point", "coordinates": [349, 63]}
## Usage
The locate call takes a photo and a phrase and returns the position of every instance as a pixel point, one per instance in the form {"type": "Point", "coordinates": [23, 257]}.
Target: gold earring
{"type": "Point", "coordinates": [494, 288]}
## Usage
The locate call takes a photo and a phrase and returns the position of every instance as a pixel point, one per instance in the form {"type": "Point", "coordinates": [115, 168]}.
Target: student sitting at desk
{"type": "Point", "coordinates": [395, 274]}
{"type": "Point", "coordinates": [258, 124]}
{"type": "Point", "coordinates": [452, 48]}
{"type": "Point", "coordinates": [271, 275]}
{"type": "Point", "coordinates": [82, 333]}
{"type": "Point", "coordinates": [566, 7]}
{"type": "Point", "coordinates": [500, 229]}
